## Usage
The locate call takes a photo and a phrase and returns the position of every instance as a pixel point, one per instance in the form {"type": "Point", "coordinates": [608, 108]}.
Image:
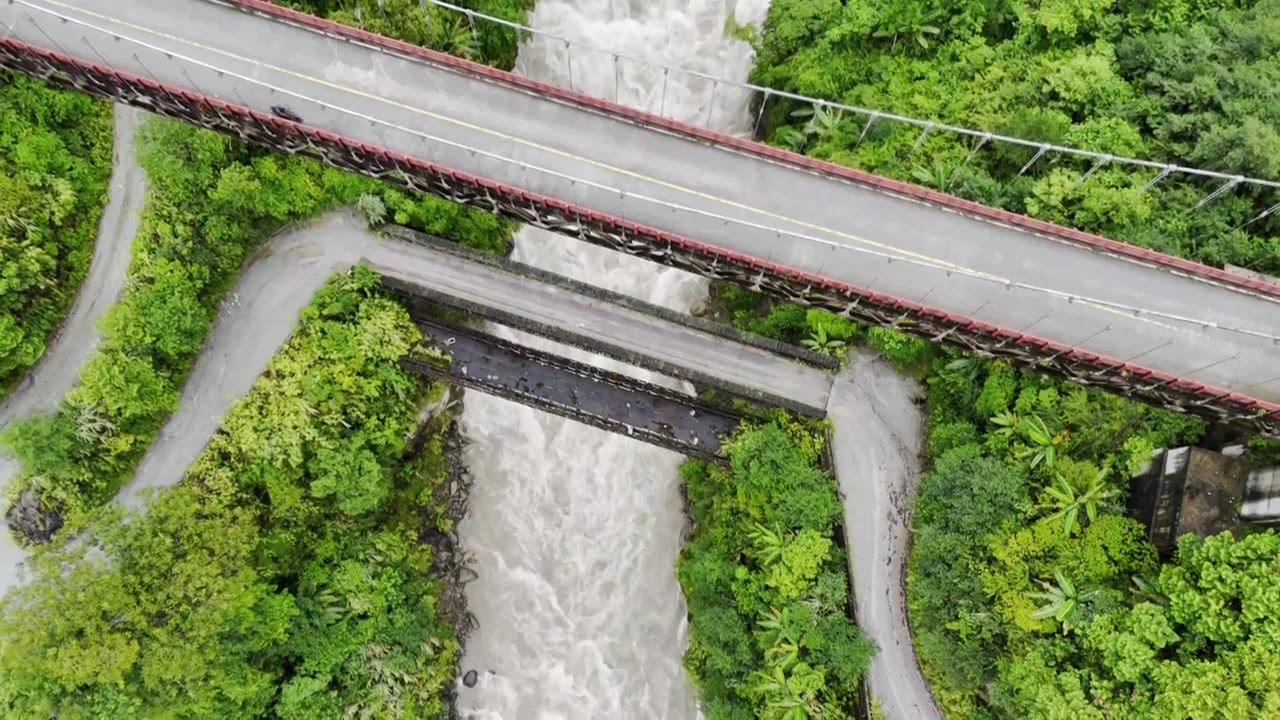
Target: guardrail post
{"type": "Point", "coordinates": [764, 100]}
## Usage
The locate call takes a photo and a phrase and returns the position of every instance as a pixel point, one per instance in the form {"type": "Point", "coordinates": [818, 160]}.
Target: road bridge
{"type": "Point", "coordinates": [575, 390]}
{"type": "Point", "coordinates": [1188, 337]}
{"type": "Point", "coordinates": [572, 313]}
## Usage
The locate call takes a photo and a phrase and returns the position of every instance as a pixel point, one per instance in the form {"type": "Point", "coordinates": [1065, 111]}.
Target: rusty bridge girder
{"type": "Point", "coordinates": [982, 339]}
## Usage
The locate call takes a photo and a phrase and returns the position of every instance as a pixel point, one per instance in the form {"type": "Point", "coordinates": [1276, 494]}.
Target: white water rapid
{"type": "Point", "coordinates": [575, 532]}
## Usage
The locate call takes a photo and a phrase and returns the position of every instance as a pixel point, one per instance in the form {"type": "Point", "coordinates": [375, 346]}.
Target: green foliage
{"type": "Point", "coordinates": [906, 352]}
{"type": "Point", "coordinates": [55, 161]}
{"type": "Point", "coordinates": [1037, 609]}
{"type": "Point", "coordinates": [432, 26]}
{"type": "Point", "coordinates": [1206, 650]}
{"type": "Point", "coordinates": [766, 585]}
{"type": "Point", "coordinates": [211, 202]}
{"type": "Point", "coordinates": [1186, 81]}
{"type": "Point", "coordinates": [282, 578]}
{"type": "Point", "coordinates": [1017, 531]}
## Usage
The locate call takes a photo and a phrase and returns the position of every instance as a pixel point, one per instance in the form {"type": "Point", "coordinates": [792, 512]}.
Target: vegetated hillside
{"type": "Point", "coordinates": [1180, 81]}
{"type": "Point", "coordinates": [1031, 595]}
{"type": "Point", "coordinates": [767, 587]}
{"type": "Point", "coordinates": [211, 202]}
{"type": "Point", "coordinates": [55, 162]}
{"type": "Point", "coordinates": [285, 577]}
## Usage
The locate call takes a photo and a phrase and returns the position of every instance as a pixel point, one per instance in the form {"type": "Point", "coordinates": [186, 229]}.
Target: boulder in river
{"type": "Point", "coordinates": [31, 519]}
{"type": "Point", "coordinates": [470, 678]}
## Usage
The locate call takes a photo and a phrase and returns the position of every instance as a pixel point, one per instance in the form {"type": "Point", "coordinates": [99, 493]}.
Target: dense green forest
{"type": "Point", "coordinates": [1031, 595]}
{"type": "Point", "coordinates": [55, 162]}
{"type": "Point", "coordinates": [211, 202]}
{"type": "Point", "coordinates": [767, 584]}
{"type": "Point", "coordinates": [285, 577]}
{"type": "Point", "coordinates": [1029, 590]}
{"type": "Point", "coordinates": [1191, 82]}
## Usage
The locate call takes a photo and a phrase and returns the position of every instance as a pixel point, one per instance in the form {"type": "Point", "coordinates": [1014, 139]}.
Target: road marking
{"type": "Point", "coordinates": [570, 156]}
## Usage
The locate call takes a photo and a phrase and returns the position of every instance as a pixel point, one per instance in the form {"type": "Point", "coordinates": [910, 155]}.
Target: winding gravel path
{"type": "Point", "coordinates": [878, 437]}
{"type": "Point", "coordinates": [59, 368]}
{"type": "Point", "coordinates": [255, 319]}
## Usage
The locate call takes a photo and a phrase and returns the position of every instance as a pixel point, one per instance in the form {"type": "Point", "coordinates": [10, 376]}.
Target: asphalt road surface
{"type": "Point", "coordinates": [876, 445]}
{"type": "Point", "coordinates": [59, 368]}
{"type": "Point", "coordinates": [421, 109]}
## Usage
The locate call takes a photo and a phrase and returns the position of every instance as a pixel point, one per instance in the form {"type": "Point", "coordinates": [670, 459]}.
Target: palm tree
{"type": "Point", "coordinates": [1068, 499]}
{"type": "Point", "coordinates": [1062, 601]}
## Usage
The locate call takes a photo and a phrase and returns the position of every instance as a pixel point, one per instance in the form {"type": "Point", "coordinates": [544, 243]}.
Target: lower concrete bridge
{"type": "Point", "coordinates": [607, 400]}
{"type": "Point", "coordinates": [710, 355]}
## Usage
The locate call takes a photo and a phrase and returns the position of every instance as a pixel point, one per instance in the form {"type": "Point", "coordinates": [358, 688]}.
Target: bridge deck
{"type": "Point", "coordinates": [649, 413]}
{"type": "Point", "coordinates": [624, 333]}
{"type": "Point", "coordinates": [772, 210]}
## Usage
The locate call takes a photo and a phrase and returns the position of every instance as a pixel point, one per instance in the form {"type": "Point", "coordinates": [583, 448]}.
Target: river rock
{"type": "Point", "coordinates": [34, 522]}
{"type": "Point", "coordinates": [470, 678]}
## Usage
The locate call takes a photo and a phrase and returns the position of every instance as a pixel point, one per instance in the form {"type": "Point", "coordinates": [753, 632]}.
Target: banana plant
{"type": "Point", "coordinates": [939, 177]}
{"type": "Point", "coordinates": [463, 42]}
{"type": "Point", "coordinates": [818, 341]}
{"type": "Point", "coordinates": [1044, 443]}
{"type": "Point", "coordinates": [788, 696]}
{"type": "Point", "coordinates": [1068, 500]}
{"type": "Point", "coordinates": [1062, 601]}
{"type": "Point", "coordinates": [766, 544]}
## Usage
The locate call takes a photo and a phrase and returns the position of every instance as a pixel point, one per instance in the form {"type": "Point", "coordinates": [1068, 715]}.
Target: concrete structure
{"type": "Point", "coordinates": [1262, 497]}
{"type": "Point", "coordinates": [872, 249]}
{"type": "Point", "coordinates": [1188, 490]}
{"type": "Point", "coordinates": [606, 400]}
{"type": "Point", "coordinates": [559, 309]}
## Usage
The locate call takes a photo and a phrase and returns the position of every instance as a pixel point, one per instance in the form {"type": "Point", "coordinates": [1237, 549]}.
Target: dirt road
{"type": "Point", "coordinates": [59, 367]}
{"type": "Point", "coordinates": [877, 442]}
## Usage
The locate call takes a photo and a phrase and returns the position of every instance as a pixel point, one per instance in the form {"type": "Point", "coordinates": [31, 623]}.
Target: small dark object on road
{"type": "Point", "coordinates": [284, 112]}
{"type": "Point", "coordinates": [470, 678]}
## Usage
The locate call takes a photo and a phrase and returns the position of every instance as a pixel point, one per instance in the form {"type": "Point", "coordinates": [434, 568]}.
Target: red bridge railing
{"type": "Point", "coordinates": [1095, 242]}
{"type": "Point", "coordinates": [415, 174]}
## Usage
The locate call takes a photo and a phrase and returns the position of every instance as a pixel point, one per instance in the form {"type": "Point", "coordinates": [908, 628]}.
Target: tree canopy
{"type": "Point", "coordinates": [55, 162]}
{"type": "Point", "coordinates": [767, 584]}
{"type": "Point", "coordinates": [1189, 82]}
{"type": "Point", "coordinates": [284, 577]}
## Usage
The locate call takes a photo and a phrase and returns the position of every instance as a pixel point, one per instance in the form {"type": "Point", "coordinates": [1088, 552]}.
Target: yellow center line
{"type": "Point", "coordinates": [568, 155]}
